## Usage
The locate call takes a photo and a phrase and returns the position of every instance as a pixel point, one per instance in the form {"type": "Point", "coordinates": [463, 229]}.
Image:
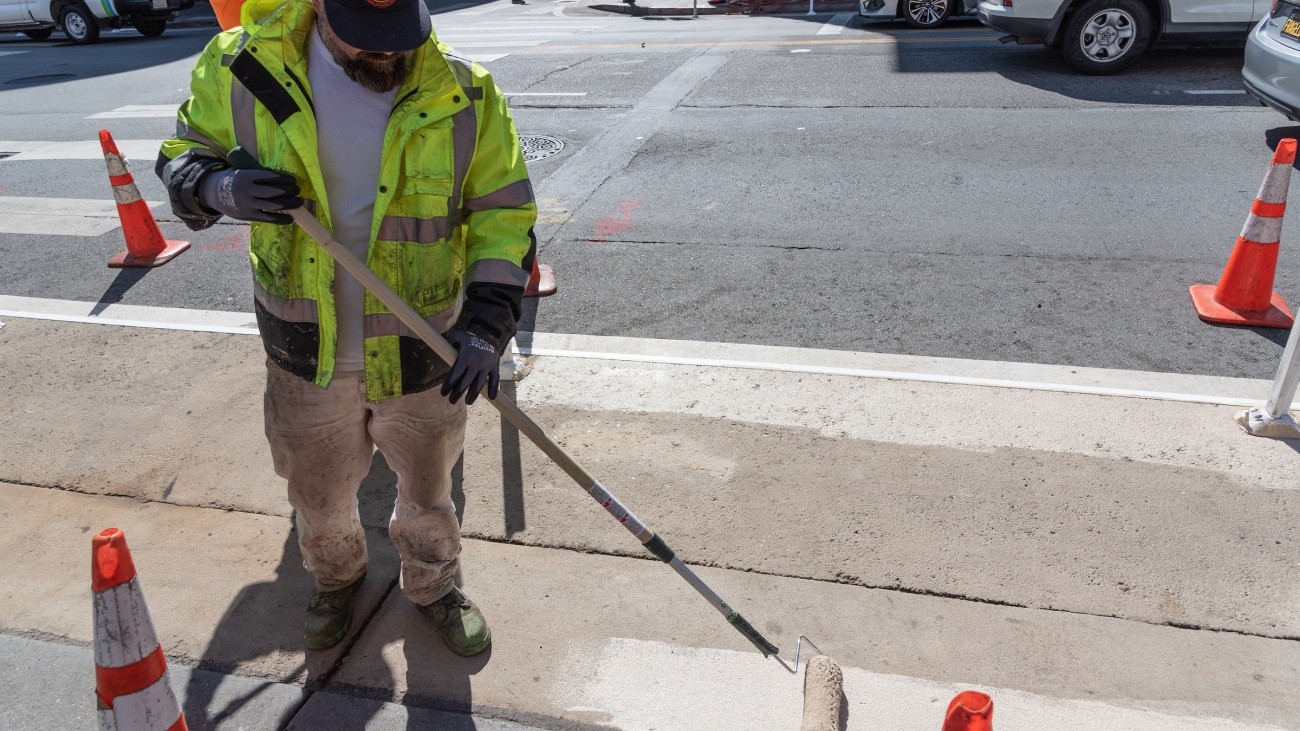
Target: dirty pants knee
{"type": "Point", "coordinates": [322, 442]}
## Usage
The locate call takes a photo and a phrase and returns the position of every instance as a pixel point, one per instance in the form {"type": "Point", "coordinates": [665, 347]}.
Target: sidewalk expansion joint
{"type": "Point", "coordinates": [138, 498]}
{"type": "Point", "coordinates": [311, 689]}
{"type": "Point", "coordinates": [853, 581]}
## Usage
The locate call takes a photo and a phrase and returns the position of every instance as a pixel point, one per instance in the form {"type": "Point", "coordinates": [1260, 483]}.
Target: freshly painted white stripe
{"type": "Point", "coordinates": [540, 10]}
{"type": "Point", "coordinates": [140, 110]}
{"type": "Point", "coordinates": [957, 371]}
{"type": "Point", "coordinates": [625, 682]}
{"type": "Point", "coordinates": [13, 53]}
{"type": "Point", "coordinates": [486, 34]}
{"type": "Point", "coordinates": [485, 9]}
{"type": "Point", "coordinates": [167, 318]}
{"type": "Point", "coordinates": [145, 150]}
{"type": "Point", "coordinates": [486, 57]}
{"type": "Point", "coordinates": [547, 93]}
{"type": "Point", "coordinates": [33, 206]}
{"type": "Point", "coordinates": [1213, 92]}
{"type": "Point", "coordinates": [153, 709]}
{"type": "Point", "coordinates": [124, 632]}
{"type": "Point", "coordinates": [835, 25]}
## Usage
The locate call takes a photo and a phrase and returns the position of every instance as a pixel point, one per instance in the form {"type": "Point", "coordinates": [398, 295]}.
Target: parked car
{"type": "Point", "coordinates": [81, 21]}
{"type": "Point", "coordinates": [1107, 36]}
{"type": "Point", "coordinates": [917, 13]}
{"type": "Point", "coordinates": [1272, 69]}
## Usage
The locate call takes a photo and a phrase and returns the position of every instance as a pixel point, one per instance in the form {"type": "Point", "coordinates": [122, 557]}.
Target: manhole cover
{"type": "Point", "coordinates": [539, 147]}
{"type": "Point", "coordinates": [43, 79]}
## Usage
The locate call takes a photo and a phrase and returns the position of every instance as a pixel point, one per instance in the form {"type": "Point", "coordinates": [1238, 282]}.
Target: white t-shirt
{"type": "Point", "coordinates": [350, 125]}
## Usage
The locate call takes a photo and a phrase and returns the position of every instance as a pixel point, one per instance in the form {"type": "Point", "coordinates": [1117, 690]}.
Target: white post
{"type": "Point", "coordinates": [695, 9]}
{"type": "Point", "coordinates": [1288, 376]}
{"type": "Point", "coordinates": [810, 8]}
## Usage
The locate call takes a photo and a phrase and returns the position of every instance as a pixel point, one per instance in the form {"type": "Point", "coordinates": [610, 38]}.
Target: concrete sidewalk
{"type": "Point", "coordinates": [1096, 562]}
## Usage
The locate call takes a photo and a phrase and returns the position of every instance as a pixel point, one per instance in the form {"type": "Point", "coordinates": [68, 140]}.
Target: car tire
{"type": "Point", "coordinates": [40, 34]}
{"type": "Point", "coordinates": [927, 13]}
{"type": "Point", "coordinates": [150, 27]}
{"type": "Point", "coordinates": [78, 24]}
{"type": "Point", "coordinates": [1105, 37]}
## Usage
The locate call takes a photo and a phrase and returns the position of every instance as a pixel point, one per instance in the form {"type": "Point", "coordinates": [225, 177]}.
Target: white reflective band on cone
{"type": "Point", "coordinates": [124, 632]}
{"type": "Point", "coordinates": [106, 720]}
{"type": "Point", "coordinates": [116, 165]}
{"type": "Point", "coordinates": [1262, 230]}
{"type": "Point", "coordinates": [152, 709]}
{"type": "Point", "coordinates": [128, 193]}
{"type": "Point", "coordinates": [1275, 184]}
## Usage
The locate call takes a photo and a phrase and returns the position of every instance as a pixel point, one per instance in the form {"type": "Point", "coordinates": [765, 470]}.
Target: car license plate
{"type": "Point", "coordinates": [159, 4]}
{"type": "Point", "coordinates": [1291, 28]}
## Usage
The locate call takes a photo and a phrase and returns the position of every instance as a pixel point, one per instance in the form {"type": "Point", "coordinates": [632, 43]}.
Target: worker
{"type": "Point", "coordinates": [408, 153]}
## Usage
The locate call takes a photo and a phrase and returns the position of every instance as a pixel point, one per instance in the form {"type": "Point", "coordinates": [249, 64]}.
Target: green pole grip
{"type": "Point", "coordinates": [751, 634]}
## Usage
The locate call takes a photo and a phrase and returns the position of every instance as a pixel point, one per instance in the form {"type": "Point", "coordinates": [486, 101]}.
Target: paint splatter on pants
{"type": "Point", "coordinates": [322, 441]}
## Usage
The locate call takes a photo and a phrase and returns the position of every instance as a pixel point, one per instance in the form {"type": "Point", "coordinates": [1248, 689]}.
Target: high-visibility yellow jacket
{"type": "Point", "coordinates": [453, 213]}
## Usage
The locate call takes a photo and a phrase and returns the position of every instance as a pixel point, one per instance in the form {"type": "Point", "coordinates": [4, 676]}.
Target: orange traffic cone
{"type": "Point", "coordinates": [1244, 294]}
{"type": "Point", "coordinates": [145, 246]}
{"type": "Point", "coordinates": [541, 283]}
{"type": "Point", "coordinates": [130, 670]}
{"type": "Point", "coordinates": [971, 710]}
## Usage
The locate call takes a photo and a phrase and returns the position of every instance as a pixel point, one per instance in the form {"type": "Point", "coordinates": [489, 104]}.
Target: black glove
{"type": "Point", "coordinates": [477, 363]}
{"type": "Point", "coordinates": [251, 194]}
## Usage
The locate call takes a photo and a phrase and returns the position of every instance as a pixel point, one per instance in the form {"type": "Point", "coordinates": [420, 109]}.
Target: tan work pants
{"type": "Point", "coordinates": [322, 441]}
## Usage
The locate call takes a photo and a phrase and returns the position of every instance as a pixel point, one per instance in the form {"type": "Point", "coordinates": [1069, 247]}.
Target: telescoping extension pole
{"type": "Point", "coordinates": [653, 543]}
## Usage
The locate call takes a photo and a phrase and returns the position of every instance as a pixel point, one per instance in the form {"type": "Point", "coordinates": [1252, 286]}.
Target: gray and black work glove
{"type": "Point", "coordinates": [477, 363]}
{"type": "Point", "coordinates": [251, 194]}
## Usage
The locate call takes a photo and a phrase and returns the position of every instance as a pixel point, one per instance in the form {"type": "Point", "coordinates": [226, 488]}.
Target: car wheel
{"type": "Point", "coordinates": [78, 25]}
{"type": "Point", "coordinates": [927, 13]}
{"type": "Point", "coordinates": [1106, 36]}
{"type": "Point", "coordinates": [39, 34]}
{"type": "Point", "coordinates": [150, 27]}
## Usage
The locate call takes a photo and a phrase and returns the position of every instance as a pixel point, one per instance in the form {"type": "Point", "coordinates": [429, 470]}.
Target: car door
{"type": "Point", "coordinates": [13, 11]}
{"type": "Point", "coordinates": [1215, 11]}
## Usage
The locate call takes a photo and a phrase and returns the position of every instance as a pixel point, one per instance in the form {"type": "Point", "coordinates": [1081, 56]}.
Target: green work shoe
{"type": "Point", "coordinates": [459, 622]}
{"type": "Point", "coordinates": [329, 615]}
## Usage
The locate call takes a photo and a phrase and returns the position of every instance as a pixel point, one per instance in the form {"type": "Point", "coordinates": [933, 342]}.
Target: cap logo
{"type": "Point", "coordinates": [381, 4]}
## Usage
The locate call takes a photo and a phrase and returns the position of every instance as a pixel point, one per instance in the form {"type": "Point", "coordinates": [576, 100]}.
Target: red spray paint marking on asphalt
{"type": "Point", "coordinates": [229, 242]}
{"type": "Point", "coordinates": [614, 224]}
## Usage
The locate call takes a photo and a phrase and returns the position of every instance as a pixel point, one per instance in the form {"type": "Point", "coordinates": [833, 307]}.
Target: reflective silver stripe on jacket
{"type": "Point", "coordinates": [299, 309]}
{"type": "Point", "coordinates": [388, 324]}
{"type": "Point", "coordinates": [498, 271]}
{"type": "Point", "coordinates": [243, 113]}
{"type": "Point", "coordinates": [185, 132]}
{"type": "Point", "coordinates": [464, 135]}
{"type": "Point", "coordinates": [410, 228]}
{"type": "Point", "coordinates": [515, 195]}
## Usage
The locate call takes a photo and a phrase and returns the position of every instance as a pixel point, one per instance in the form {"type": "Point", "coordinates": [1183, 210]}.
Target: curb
{"type": "Point", "coordinates": [706, 9]}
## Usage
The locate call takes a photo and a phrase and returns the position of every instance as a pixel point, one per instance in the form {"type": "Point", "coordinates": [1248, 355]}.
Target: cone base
{"type": "Point", "coordinates": [1277, 315]}
{"type": "Point", "coordinates": [126, 259]}
{"type": "Point", "coordinates": [545, 285]}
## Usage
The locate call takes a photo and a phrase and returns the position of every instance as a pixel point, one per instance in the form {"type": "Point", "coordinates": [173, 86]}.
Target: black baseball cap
{"type": "Point", "coordinates": [379, 25]}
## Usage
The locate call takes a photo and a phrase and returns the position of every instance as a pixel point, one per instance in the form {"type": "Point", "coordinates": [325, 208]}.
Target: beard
{"type": "Point", "coordinates": [378, 72]}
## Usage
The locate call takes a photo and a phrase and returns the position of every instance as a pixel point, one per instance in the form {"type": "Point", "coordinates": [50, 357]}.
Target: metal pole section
{"type": "Point", "coordinates": [810, 8]}
{"type": "Point", "coordinates": [526, 426]}
{"type": "Point", "coordinates": [695, 9]}
{"type": "Point", "coordinates": [1288, 376]}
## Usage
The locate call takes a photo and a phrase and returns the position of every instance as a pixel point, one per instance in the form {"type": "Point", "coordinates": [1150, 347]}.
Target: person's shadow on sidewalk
{"type": "Point", "coordinates": [264, 622]}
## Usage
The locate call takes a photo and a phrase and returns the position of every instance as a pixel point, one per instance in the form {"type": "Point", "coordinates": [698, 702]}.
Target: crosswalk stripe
{"type": "Point", "coordinates": [138, 110]}
{"type": "Point", "coordinates": [12, 53]}
{"type": "Point", "coordinates": [539, 11]}
{"type": "Point", "coordinates": [489, 8]}
{"type": "Point", "coordinates": [59, 216]}
{"type": "Point", "coordinates": [145, 151]}
{"type": "Point", "coordinates": [836, 24]}
{"type": "Point", "coordinates": [501, 44]}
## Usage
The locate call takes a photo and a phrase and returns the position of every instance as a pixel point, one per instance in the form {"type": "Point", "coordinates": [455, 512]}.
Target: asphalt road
{"type": "Point", "coordinates": [776, 181]}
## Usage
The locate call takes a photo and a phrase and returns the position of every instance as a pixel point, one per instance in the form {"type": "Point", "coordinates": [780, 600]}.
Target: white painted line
{"type": "Point", "coordinates": [142, 110]}
{"type": "Point", "coordinates": [13, 53]}
{"type": "Point", "coordinates": [955, 371]}
{"type": "Point", "coordinates": [166, 318]}
{"type": "Point", "coordinates": [802, 50]}
{"type": "Point", "coordinates": [1210, 92]}
{"type": "Point", "coordinates": [489, 34]}
{"type": "Point", "coordinates": [144, 150]}
{"type": "Point", "coordinates": [486, 57]}
{"type": "Point", "coordinates": [835, 25]}
{"type": "Point", "coordinates": [59, 216]}
{"type": "Point", "coordinates": [540, 10]}
{"type": "Point", "coordinates": [483, 10]}
{"type": "Point", "coordinates": [625, 681]}
{"type": "Point", "coordinates": [547, 93]}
